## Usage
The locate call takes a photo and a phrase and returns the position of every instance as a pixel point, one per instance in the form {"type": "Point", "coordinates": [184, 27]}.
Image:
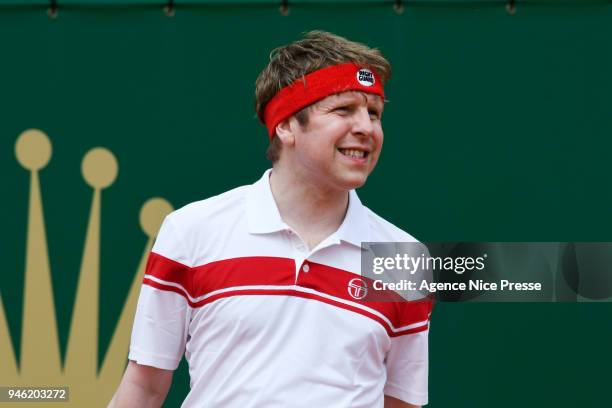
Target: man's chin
{"type": "Point", "coordinates": [352, 183]}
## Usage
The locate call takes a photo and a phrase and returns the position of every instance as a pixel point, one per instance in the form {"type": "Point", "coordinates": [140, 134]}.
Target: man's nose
{"type": "Point", "coordinates": [362, 123]}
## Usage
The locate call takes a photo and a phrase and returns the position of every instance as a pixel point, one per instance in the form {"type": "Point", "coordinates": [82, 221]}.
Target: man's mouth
{"type": "Point", "coordinates": [354, 153]}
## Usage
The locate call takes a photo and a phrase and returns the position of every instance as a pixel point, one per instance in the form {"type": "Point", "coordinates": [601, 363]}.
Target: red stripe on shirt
{"type": "Point", "coordinates": [276, 271]}
{"type": "Point", "coordinates": [334, 281]}
{"type": "Point", "coordinates": [169, 270]}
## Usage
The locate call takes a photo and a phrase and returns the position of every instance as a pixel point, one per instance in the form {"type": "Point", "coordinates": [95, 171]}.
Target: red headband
{"type": "Point", "coordinates": [318, 85]}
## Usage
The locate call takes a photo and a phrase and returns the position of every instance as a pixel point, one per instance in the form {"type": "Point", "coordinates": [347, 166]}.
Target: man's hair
{"type": "Point", "coordinates": [318, 49]}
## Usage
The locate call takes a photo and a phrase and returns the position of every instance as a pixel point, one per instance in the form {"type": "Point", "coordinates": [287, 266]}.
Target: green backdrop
{"type": "Point", "coordinates": [498, 129]}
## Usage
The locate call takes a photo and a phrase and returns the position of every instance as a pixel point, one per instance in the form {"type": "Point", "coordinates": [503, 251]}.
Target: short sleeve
{"type": "Point", "coordinates": [407, 361]}
{"type": "Point", "coordinates": [407, 366]}
{"type": "Point", "coordinates": [161, 323]}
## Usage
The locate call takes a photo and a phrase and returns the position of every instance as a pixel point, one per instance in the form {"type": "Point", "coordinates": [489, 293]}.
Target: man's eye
{"type": "Point", "coordinates": [374, 114]}
{"type": "Point", "coordinates": [342, 109]}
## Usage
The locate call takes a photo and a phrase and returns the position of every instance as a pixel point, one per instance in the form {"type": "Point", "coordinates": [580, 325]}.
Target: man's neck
{"type": "Point", "coordinates": [312, 210]}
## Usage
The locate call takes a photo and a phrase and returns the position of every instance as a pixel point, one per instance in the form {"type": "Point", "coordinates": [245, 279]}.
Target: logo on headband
{"type": "Point", "coordinates": [365, 77]}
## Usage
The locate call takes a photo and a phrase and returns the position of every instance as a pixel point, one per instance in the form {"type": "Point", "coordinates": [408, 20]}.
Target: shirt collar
{"type": "Point", "coordinates": [264, 217]}
{"type": "Point", "coordinates": [262, 211]}
{"type": "Point", "coordinates": [355, 228]}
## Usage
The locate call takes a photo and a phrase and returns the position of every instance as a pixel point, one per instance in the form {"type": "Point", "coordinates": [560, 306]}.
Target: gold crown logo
{"type": "Point", "coordinates": [40, 363]}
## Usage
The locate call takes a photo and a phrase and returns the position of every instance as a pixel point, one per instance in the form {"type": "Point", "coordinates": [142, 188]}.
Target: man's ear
{"type": "Point", "coordinates": [284, 131]}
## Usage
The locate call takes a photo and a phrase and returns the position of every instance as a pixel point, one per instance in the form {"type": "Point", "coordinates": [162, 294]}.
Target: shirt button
{"type": "Point", "coordinates": [306, 268]}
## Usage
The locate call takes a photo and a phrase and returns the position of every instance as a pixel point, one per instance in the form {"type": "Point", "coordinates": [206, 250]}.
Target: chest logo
{"type": "Point", "coordinates": [357, 288]}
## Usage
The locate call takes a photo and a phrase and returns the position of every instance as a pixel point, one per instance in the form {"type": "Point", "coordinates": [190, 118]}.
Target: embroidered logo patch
{"type": "Point", "coordinates": [357, 288]}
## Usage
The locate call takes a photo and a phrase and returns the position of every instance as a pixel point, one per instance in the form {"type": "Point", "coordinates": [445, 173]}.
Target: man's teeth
{"type": "Point", "coordinates": [358, 154]}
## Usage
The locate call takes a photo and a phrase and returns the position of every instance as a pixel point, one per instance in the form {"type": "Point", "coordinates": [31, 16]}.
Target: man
{"type": "Point", "coordinates": [254, 286]}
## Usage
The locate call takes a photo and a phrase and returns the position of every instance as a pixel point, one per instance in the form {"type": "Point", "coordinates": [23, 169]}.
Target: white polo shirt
{"type": "Point", "coordinates": [265, 323]}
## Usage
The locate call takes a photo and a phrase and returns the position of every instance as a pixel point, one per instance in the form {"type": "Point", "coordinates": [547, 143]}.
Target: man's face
{"type": "Point", "coordinates": [340, 145]}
